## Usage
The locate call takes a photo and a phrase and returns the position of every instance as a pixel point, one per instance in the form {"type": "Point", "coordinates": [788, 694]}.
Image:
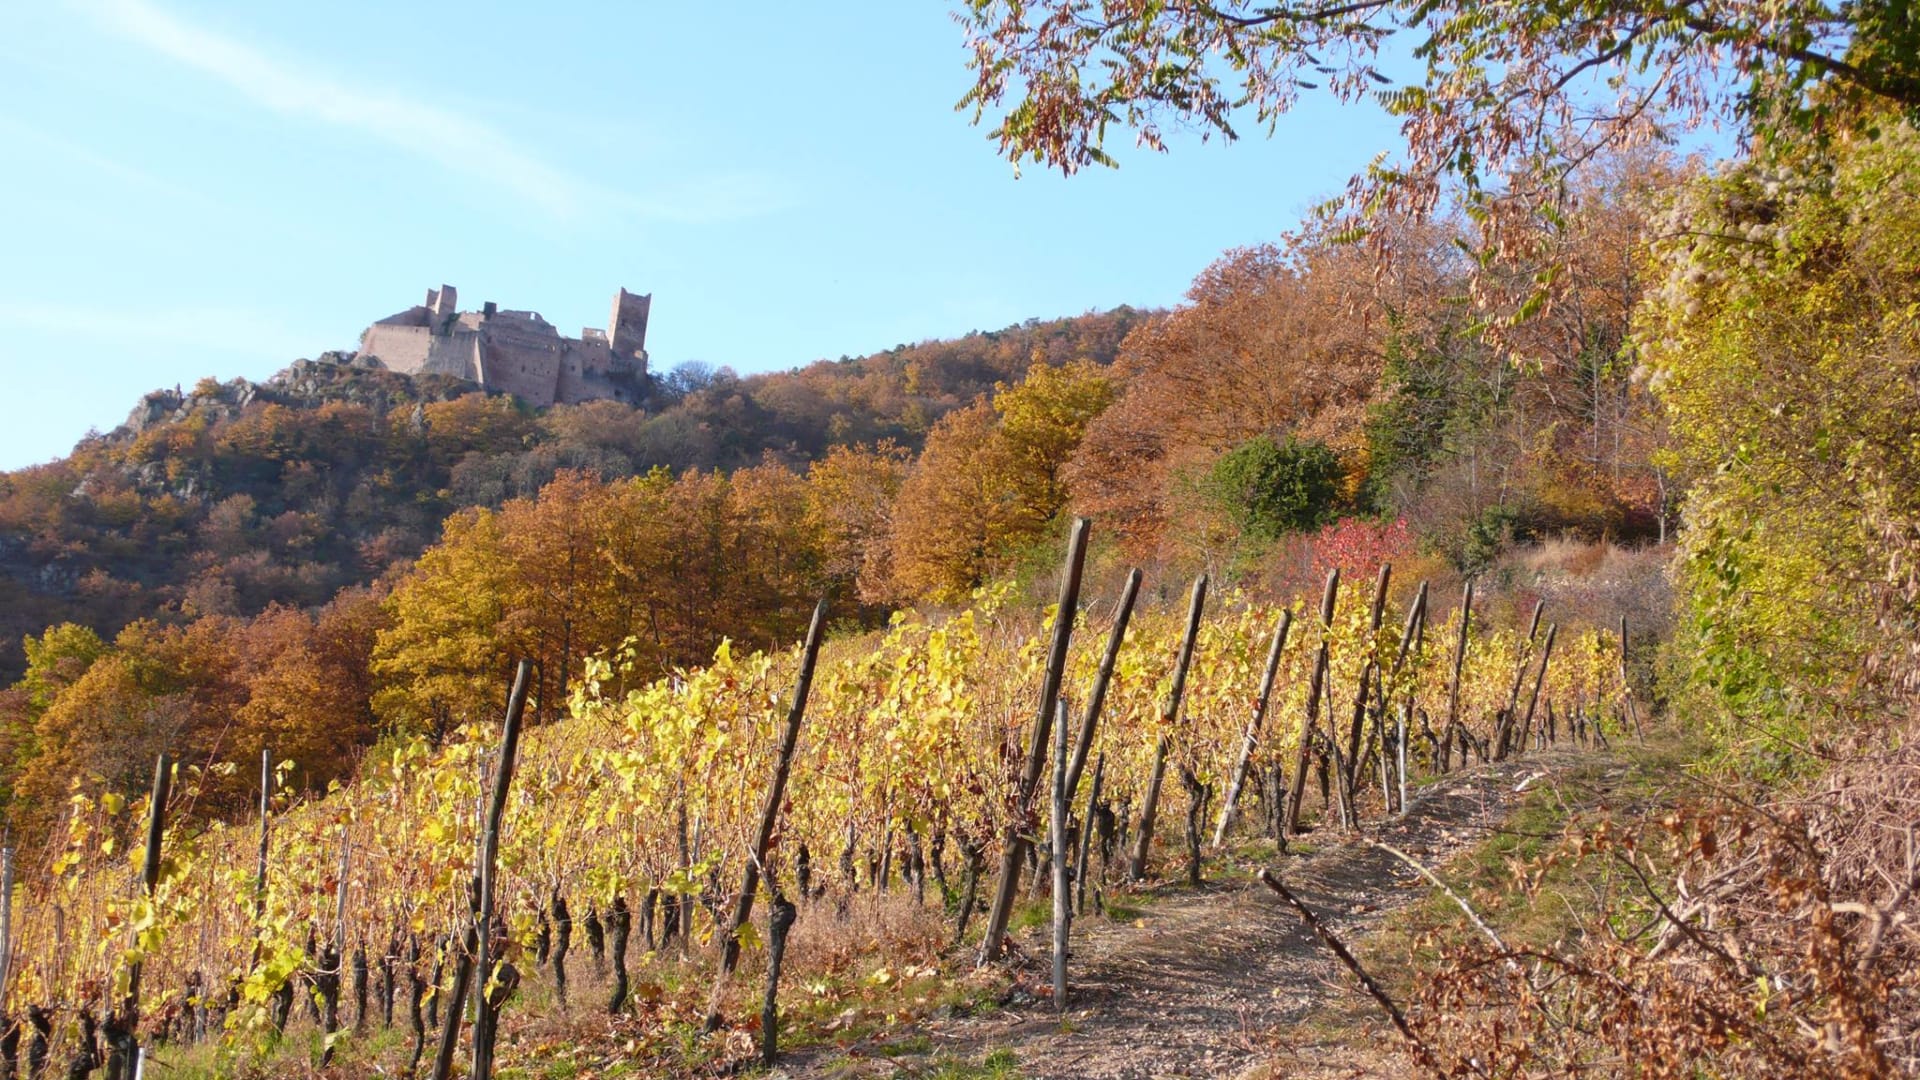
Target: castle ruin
{"type": "Point", "coordinates": [517, 352]}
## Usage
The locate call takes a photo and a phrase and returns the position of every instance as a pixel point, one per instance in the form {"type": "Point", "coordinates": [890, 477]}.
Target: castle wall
{"type": "Point", "coordinates": [453, 354]}
{"type": "Point", "coordinates": [530, 374]}
{"type": "Point", "coordinates": [523, 357]}
{"type": "Point", "coordinates": [516, 352]}
{"type": "Point", "coordinates": [583, 372]}
{"type": "Point", "coordinates": [400, 348]}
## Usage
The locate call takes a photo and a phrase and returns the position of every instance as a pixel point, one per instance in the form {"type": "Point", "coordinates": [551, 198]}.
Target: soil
{"type": "Point", "coordinates": [1222, 980]}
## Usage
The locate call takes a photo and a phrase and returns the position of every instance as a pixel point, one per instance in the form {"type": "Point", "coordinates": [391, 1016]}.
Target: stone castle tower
{"type": "Point", "coordinates": [517, 352]}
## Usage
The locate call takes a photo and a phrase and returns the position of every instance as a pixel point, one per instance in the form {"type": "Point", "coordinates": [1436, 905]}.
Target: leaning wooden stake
{"type": "Point", "coordinates": [769, 814]}
{"type": "Point", "coordinates": [1453, 685]}
{"type": "Point", "coordinates": [1504, 729]}
{"type": "Point", "coordinates": [1421, 1051]}
{"type": "Point", "coordinates": [487, 1015]}
{"type": "Point", "coordinates": [337, 956]}
{"type": "Point", "coordinates": [1626, 688]}
{"type": "Point", "coordinates": [1086, 836]}
{"type": "Point", "coordinates": [1369, 674]}
{"type": "Point", "coordinates": [128, 1051]}
{"type": "Point", "coordinates": [1097, 697]}
{"type": "Point", "coordinates": [1239, 778]}
{"type": "Point", "coordinates": [1170, 716]}
{"type": "Point", "coordinates": [1383, 702]}
{"type": "Point", "coordinates": [1311, 723]}
{"type": "Point", "coordinates": [476, 950]}
{"type": "Point", "coordinates": [6, 921]}
{"type": "Point", "coordinates": [779, 921]}
{"type": "Point", "coordinates": [1400, 752]}
{"type": "Point", "coordinates": [260, 868]}
{"type": "Point", "coordinates": [1013, 840]}
{"type": "Point", "coordinates": [1062, 874]}
{"type": "Point", "coordinates": [1539, 680]}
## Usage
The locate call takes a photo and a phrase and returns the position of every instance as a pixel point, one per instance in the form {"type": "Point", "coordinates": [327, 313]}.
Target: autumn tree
{"type": "Point", "coordinates": [158, 688]}
{"type": "Point", "coordinates": [1783, 338]}
{"type": "Point", "coordinates": [992, 480]}
{"type": "Point", "coordinates": [476, 423]}
{"type": "Point", "coordinates": [850, 498]}
{"type": "Point", "coordinates": [775, 557]}
{"type": "Point", "coordinates": [1500, 103]}
{"type": "Point", "coordinates": [1275, 340]}
{"type": "Point", "coordinates": [308, 688]}
{"type": "Point", "coordinates": [657, 567]}
{"type": "Point", "coordinates": [958, 508]}
{"type": "Point", "coordinates": [442, 654]}
{"type": "Point", "coordinates": [1042, 420]}
{"type": "Point", "coordinates": [56, 660]}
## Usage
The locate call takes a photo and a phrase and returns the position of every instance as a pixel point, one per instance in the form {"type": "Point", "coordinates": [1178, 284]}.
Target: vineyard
{"type": "Point", "coordinates": [955, 764]}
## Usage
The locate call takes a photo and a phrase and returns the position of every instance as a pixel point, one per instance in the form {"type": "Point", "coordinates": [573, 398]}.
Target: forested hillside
{"type": "Point", "coordinates": [228, 498]}
{"type": "Point", "coordinates": [342, 553]}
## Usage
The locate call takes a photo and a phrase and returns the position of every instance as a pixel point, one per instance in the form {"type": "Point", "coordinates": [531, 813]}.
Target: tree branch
{"type": "Point", "coordinates": [1421, 1051]}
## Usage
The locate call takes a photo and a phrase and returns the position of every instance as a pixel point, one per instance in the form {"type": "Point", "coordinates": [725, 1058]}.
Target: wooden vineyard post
{"type": "Point", "coordinates": [126, 1049]}
{"type": "Point", "coordinates": [1137, 861]}
{"type": "Point", "coordinates": [1148, 813]}
{"type": "Point", "coordinates": [6, 937]}
{"type": "Point", "coordinates": [1086, 836]}
{"type": "Point", "coordinates": [1097, 697]}
{"type": "Point", "coordinates": [1311, 724]}
{"type": "Point", "coordinates": [478, 944]}
{"type": "Point", "coordinates": [1239, 779]}
{"type": "Point", "coordinates": [1014, 838]}
{"type": "Point", "coordinates": [278, 1011]}
{"type": "Point", "coordinates": [1062, 872]}
{"type": "Point", "coordinates": [1400, 750]}
{"type": "Point", "coordinates": [1453, 684]}
{"type": "Point", "coordinates": [1539, 680]}
{"type": "Point", "coordinates": [260, 868]}
{"type": "Point", "coordinates": [334, 961]}
{"type": "Point", "coordinates": [1369, 672]}
{"type": "Point", "coordinates": [486, 1016]}
{"type": "Point", "coordinates": [769, 814]}
{"type": "Point", "coordinates": [1626, 688]}
{"type": "Point", "coordinates": [780, 916]}
{"type": "Point", "coordinates": [1096, 700]}
{"type": "Point", "coordinates": [1383, 705]}
{"type": "Point", "coordinates": [1504, 728]}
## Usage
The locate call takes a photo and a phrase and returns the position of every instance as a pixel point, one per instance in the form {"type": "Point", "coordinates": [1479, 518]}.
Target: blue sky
{"type": "Point", "coordinates": [199, 189]}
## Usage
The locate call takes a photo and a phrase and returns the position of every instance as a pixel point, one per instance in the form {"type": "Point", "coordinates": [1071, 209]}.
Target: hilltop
{"type": "Point", "coordinates": [227, 498]}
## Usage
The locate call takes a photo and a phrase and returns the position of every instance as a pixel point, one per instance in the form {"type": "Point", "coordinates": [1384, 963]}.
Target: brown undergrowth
{"type": "Point", "coordinates": [1746, 927]}
{"type": "Point", "coordinates": [1739, 938]}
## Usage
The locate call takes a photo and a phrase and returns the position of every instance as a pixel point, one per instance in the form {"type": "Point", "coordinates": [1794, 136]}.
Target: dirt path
{"type": "Point", "coordinates": [1203, 981]}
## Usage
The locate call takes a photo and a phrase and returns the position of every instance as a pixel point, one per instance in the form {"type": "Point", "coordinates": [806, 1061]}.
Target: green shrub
{"type": "Point", "coordinates": [1269, 486]}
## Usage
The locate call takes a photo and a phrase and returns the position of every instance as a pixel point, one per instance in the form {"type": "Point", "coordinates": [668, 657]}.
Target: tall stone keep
{"type": "Point", "coordinates": [444, 303]}
{"type": "Point", "coordinates": [517, 352]}
{"type": "Point", "coordinates": [627, 326]}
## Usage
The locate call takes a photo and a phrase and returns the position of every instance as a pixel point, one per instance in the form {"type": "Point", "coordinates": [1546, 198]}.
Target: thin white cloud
{"type": "Point", "coordinates": [717, 197]}
{"type": "Point", "coordinates": [44, 142]}
{"type": "Point", "coordinates": [215, 329]}
{"type": "Point", "coordinates": [454, 140]}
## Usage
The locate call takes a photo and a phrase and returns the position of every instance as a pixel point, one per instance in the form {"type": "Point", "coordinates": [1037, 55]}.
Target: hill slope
{"type": "Point", "coordinates": [228, 498]}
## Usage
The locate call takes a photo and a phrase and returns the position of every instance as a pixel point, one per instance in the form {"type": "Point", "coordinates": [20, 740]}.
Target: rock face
{"type": "Point", "coordinates": [516, 352]}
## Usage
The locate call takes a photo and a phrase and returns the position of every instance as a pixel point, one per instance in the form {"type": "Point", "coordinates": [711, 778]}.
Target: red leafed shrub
{"type": "Point", "coordinates": [1358, 546]}
{"type": "Point", "coordinates": [1299, 563]}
